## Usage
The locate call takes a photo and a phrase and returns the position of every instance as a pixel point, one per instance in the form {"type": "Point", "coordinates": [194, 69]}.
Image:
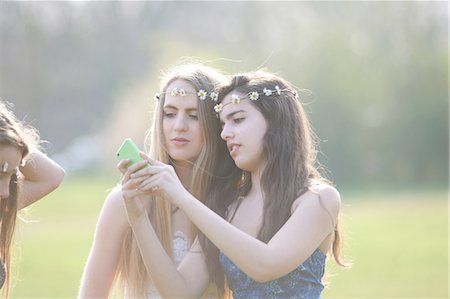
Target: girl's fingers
{"type": "Point", "coordinates": [147, 171]}
{"type": "Point", "coordinates": [148, 185]}
{"type": "Point", "coordinates": [130, 189]}
{"type": "Point", "coordinates": [122, 165]}
{"type": "Point", "coordinates": [135, 167]}
{"type": "Point", "coordinates": [151, 161]}
{"type": "Point", "coordinates": [132, 183]}
{"type": "Point", "coordinates": [147, 158]}
{"type": "Point", "coordinates": [131, 193]}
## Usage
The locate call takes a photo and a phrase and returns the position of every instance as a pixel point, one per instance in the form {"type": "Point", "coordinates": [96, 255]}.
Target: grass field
{"type": "Point", "coordinates": [396, 240]}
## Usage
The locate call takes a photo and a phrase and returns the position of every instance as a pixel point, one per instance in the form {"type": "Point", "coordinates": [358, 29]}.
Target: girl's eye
{"type": "Point", "coordinates": [169, 114]}
{"type": "Point", "coordinates": [193, 116]}
{"type": "Point", "coordinates": [238, 120]}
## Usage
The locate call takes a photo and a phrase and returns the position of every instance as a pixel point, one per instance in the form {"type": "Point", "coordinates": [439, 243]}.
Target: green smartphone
{"type": "Point", "coordinates": [129, 150]}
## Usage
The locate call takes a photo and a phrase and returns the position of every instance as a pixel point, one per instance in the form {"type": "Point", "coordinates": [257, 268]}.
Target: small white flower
{"type": "Point", "coordinates": [202, 94]}
{"type": "Point", "coordinates": [235, 99]}
{"type": "Point", "coordinates": [253, 96]}
{"type": "Point", "coordinates": [218, 107]}
{"type": "Point", "coordinates": [214, 96]}
{"type": "Point", "coordinates": [267, 92]}
{"type": "Point", "coordinates": [174, 91]}
{"type": "Point", "coordinates": [182, 92]}
{"type": "Point", "coordinates": [277, 88]}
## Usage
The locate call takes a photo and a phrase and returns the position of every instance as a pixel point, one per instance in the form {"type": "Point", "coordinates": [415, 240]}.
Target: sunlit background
{"type": "Point", "coordinates": [84, 74]}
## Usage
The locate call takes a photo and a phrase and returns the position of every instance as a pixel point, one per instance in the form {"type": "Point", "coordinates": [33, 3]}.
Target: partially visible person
{"type": "Point", "coordinates": [26, 175]}
{"type": "Point", "coordinates": [184, 134]}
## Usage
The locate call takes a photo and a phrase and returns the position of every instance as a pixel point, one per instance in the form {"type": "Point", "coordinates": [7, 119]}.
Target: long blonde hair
{"type": "Point", "coordinates": [131, 273]}
{"type": "Point", "coordinates": [22, 137]}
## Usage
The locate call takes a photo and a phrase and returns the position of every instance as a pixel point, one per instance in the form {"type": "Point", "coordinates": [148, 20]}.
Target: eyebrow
{"type": "Point", "coordinates": [230, 115]}
{"type": "Point", "coordinates": [176, 108]}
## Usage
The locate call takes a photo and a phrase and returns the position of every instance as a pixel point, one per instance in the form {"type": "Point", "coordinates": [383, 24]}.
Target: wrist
{"type": "Point", "coordinates": [184, 200]}
{"type": "Point", "coordinates": [135, 209]}
{"type": "Point", "coordinates": [136, 220]}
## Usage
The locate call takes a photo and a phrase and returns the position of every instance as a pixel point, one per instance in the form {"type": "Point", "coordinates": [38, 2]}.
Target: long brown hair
{"type": "Point", "coordinates": [16, 134]}
{"type": "Point", "coordinates": [290, 149]}
{"type": "Point", "coordinates": [131, 271]}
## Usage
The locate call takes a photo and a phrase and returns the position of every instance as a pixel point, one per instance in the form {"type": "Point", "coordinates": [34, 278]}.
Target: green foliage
{"type": "Point", "coordinates": [379, 75]}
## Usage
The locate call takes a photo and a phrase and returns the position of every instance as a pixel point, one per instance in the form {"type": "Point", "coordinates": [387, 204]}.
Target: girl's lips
{"type": "Point", "coordinates": [179, 141]}
{"type": "Point", "coordinates": [232, 148]}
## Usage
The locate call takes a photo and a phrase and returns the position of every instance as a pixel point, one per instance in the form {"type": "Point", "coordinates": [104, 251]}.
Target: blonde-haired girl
{"type": "Point", "coordinates": [184, 134]}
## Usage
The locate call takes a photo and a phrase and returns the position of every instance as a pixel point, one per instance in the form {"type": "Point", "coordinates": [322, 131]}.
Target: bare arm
{"type": "Point", "coordinates": [104, 256]}
{"type": "Point", "coordinates": [299, 237]}
{"type": "Point", "coordinates": [308, 226]}
{"type": "Point", "coordinates": [40, 176]}
{"type": "Point", "coordinates": [190, 279]}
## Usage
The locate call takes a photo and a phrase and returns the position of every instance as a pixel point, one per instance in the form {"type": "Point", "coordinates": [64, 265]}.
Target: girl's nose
{"type": "Point", "coordinates": [180, 123]}
{"type": "Point", "coordinates": [226, 133]}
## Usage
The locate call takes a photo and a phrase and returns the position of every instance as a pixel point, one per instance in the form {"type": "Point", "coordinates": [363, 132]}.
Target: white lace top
{"type": "Point", "coordinates": [180, 246]}
{"type": "Point", "coordinates": [180, 249]}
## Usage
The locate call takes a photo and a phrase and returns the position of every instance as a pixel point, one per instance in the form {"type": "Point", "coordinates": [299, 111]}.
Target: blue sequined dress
{"type": "Point", "coordinates": [304, 282]}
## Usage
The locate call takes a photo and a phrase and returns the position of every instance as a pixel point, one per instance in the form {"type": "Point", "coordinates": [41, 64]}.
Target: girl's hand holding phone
{"type": "Point", "coordinates": [130, 162]}
{"type": "Point", "coordinates": [158, 180]}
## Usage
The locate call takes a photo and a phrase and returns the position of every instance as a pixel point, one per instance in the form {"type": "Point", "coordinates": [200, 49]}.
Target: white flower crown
{"type": "Point", "coordinates": [254, 95]}
{"type": "Point", "coordinates": [201, 94]}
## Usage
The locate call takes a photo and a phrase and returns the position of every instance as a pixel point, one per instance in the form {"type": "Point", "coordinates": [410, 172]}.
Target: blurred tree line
{"type": "Point", "coordinates": [378, 72]}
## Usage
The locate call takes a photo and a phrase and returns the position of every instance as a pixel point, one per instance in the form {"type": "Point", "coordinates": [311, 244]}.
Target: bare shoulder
{"type": "Point", "coordinates": [113, 210]}
{"type": "Point", "coordinates": [330, 198]}
{"type": "Point", "coordinates": [114, 198]}
{"type": "Point", "coordinates": [323, 194]}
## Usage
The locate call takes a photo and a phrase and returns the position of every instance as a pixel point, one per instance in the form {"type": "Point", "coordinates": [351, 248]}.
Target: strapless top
{"type": "Point", "coordinates": [303, 282]}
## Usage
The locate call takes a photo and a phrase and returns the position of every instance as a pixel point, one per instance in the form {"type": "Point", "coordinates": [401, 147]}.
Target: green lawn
{"type": "Point", "coordinates": [53, 245]}
{"type": "Point", "coordinates": [396, 240]}
{"type": "Point", "coordinates": [398, 244]}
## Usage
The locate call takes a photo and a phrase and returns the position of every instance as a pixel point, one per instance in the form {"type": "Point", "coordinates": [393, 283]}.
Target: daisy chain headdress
{"type": "Point", "coordinates": [255, 95]}
{"type": "Point", "coordinates": [201, 94]}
